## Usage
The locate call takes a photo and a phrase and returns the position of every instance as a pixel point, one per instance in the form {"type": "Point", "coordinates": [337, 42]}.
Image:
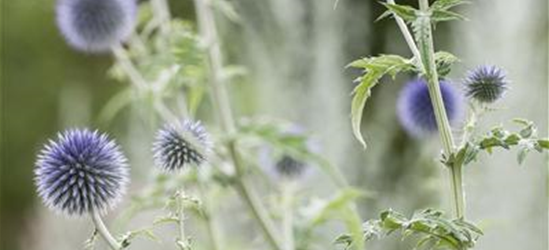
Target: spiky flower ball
{"type": "Point", "coordinates": [486, 84]}
{"type": "Point", "coordinates": [282, 165]}
{"type": "Point", "coordinates": [181, 144]}
{"type": "Point", "coordinates": [80, 172]}
{"type": "Point", "coordinates": [415, 111]}
{"type": "Point", "coordinates": [96, 25]}
{"type": "Point", "coordinates": [290, 167]}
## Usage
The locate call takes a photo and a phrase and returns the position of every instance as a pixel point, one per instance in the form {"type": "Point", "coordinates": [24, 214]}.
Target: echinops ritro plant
{"type": "Point", "coordinates": [96, 25]}
{"type": "Point", "coordinates": [82, 171]}
{"type": "Point", "coordinates": [180, 144]}
{"type": "Point", "coordinates": [415, 110]}
{"type": "Point", "coordinates": [486, 83]}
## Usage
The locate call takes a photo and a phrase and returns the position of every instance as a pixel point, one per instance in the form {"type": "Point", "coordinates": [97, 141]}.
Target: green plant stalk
{"type": "Point", "coordinates": [221, 101]}
{"type": "Point", "coordinates": [211, 226]}
{"type": "Point", "coordinates": [407, 35]}
{"type": "Point", "coordinates": [287, 215]}
{"type": "Point", "coordinates": [427, 53]}
{"type": "Point", "coordinates": [104, 232]}
{"type": "Point", "coordinates": [183, 242]}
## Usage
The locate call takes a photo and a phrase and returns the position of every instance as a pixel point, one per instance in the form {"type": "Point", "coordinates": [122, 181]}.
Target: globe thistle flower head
{"type": "Point", "coordinates": [81, 172]}
{"type": "Point", "coordinates": [96, 25]}
{"type": "Point", "coordinates": [415, 111]}
{"type": "Point", "coordinates": [486, 84]}
{"type": "Point", "coordinates": [289, 167]}
{"type": "Point", "coordinates": [281, 165]}
{"type": "Point", "coordinates": [181, 144]}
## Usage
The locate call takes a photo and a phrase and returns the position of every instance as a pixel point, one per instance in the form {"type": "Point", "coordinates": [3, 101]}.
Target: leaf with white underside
{"type": "Point", "coordinates": [430, 227]}
{"type": "Point", "coordinates": [525, 140]}
{"type": "Point", "coordinates": [374, 68]}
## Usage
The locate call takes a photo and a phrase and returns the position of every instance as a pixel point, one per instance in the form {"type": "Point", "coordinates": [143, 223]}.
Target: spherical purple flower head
{"type": "Point", "coordinates": [96, 25]}
{"type": "Point", "coordinates": [415, 111]}
{"type": "Point", "coordinates": [180, 144]}
{"type": "Point", "coordinates": [281, 165]}
{"type": "Point", "coordinates": [486, 84]}
{"type": "Point", "coordinates": [82, 171]}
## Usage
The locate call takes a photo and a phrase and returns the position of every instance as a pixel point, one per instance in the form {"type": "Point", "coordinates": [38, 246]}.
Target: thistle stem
{"type": "Point", "coordinates": [221, 101]}
{"type": "Point", "coordinates": [287, 215]}
{"type": "Point", "coordinates": [407, 35]}
{"type": "Point", "coordinates": [127, 65]}
{"type": "Point", "coordinates": [211, 226]}
{"type": "Point", "coordinates": [104, 232]}
{"type": "Point", "coordinates": [428, 59]}
{"type": "Point", "coordinates": [182, 243]}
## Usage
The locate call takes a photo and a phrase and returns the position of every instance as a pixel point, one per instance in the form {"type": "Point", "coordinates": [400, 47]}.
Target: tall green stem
{"type": "Point", "coordinates": [182, 242]}
{"type": "Point", "coordinates": [288, 214]}
{"type": "Point", "coordinates": [104, 232]}
{"type": "Point", "coordinates": [221, 101]}
{"type": "Point", "coordinates": [427, 53]}
{"type": "Point", "coordinates": [407, 35]}
{"type": "Point", "coordinates": [211, 225]}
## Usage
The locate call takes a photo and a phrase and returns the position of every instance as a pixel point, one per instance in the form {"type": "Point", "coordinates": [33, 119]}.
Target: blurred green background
{"type": "Point", "coordinates": [295, 52]}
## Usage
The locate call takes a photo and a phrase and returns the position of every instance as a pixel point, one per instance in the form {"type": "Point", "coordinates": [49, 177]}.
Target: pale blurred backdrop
{"type": "Point", "coordinates": [295, 53]}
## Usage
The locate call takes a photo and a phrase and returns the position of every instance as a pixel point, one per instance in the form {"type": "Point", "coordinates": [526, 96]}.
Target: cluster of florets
{"type": "Point", "coordinates": [181, 144]}
{"type": "Point", "coordinates": [282, 165]}
{"type": "Point", "coordinates": [96, 25]}
{"type": "Point", "coordinates": [84, 171]}
{"type": "Point", "coordinates": [485, 84]}
{"type": "Point", "coordinates": [81, 172]}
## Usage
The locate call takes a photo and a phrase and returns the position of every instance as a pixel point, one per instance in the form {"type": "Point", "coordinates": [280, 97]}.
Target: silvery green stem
{"type": "Point", "coordinates": [407, 35]}
{"type": "Point", "coordinates": [182, 242]}
{"type": "Point", "coordinates": [104, 232]}
{"type": "Point", "coordinates": [127, 65]}
{"type": "Point", "coordinates": [211, 225]}
{"type": "Point", "coordinates": [220, 98]}
{"type": "Point", "coordinates": [287, 215]}
{"type": "Point", "coordinates": [427, 53]}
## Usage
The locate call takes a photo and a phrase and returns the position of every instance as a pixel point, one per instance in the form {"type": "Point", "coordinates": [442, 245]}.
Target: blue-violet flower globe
{"type": "Point", "coordinates": [415, 111]}
{"type": "Point", "coordinates": [180, 144]}
{"type": "Point", "coordinates": [81, 172]}
{"type": "Point", "coordinates": [486, 84]}
{"type": "Point", "coordinates": [281, 165]}
{"type": "Point", "coordinates": [96, 25]}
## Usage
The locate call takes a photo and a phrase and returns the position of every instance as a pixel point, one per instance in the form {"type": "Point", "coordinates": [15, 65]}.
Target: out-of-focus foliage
{"type": "Point", "coordinates": [429, 227]}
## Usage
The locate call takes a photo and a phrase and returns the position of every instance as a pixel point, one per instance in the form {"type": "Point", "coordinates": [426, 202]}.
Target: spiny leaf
{"type": "Point", "coordinates": [445, 15]}
{"type": "Point", "coordinates": [525, 139]}
{"type": "Point", "coordinates": [447, 4]}
{"type": "Point", "coordinates": [430, 225]}
{"type": "Point", "coordinates": [444, 61]}
{"type": "Point", "coordinates": [374, 69]}
{"type": "Point", "coordinates": [405, 12]}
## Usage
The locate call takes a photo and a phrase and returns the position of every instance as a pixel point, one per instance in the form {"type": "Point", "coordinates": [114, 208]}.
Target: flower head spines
{"type": "Point", "coordinates": [290, 167]}
{"type": "Point", "coordinates": [96, 25]}
{"type": "Point", "coordinates": [82, 171]}
{"type": "Point", "coordinates": [415, 111]}
{"type": "Point", "coordinates": [180, 144]}
{"type": "Point", "coordinates": [283, 165]}
{"type": "Point", "coordinates": [486, 84]}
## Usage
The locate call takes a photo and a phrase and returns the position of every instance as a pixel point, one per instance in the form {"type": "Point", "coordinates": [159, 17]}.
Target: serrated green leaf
{"type": "Point", "coordinates": [334, 206]}
{"type": "Point", "coordinates": [445, 15]}
{"type": "Point", "coordinates": [344, 239]}
{"type": "Point", "coordinates": [384, 15]}
{"type": "Point", "coordinates": [544, 143]}
{"type": "Point", "coordinates": [405, 12]}
{"type": "Point", "coordinates": [429, 225]}
{"type": "Point", "coordinates": [444, 62]}
{"type": "Point", "coordinates": [374, 69]}
{"type": "Point", "coordinates": [446, 4]}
